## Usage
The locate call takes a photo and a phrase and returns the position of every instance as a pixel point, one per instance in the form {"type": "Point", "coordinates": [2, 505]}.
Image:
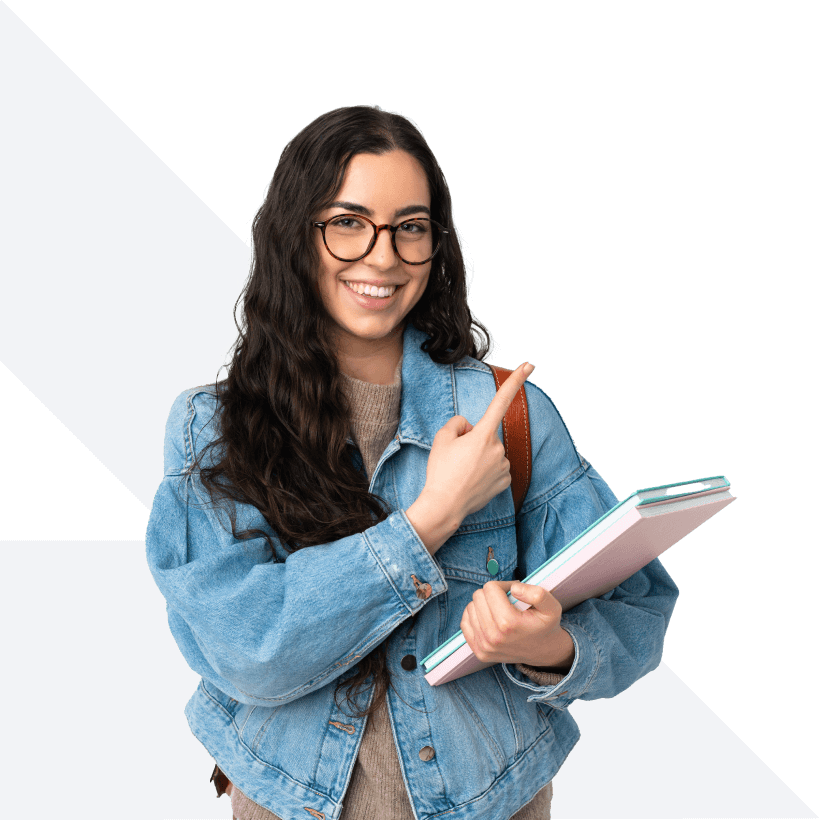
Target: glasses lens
{"type": "Point", "coordinates": [348, 237]}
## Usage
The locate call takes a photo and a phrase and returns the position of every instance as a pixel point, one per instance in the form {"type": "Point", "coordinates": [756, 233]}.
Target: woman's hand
{"type": "Point", "coordinates": [497, 632]}
{"type": "Point", "coordinates": [467, 466]}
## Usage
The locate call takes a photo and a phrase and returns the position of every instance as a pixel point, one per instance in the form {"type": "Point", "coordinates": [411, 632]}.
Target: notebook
{"type": "Point", "coordinates": [616, 546]}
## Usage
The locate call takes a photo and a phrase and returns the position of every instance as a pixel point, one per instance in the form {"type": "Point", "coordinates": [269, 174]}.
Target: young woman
{"type": "Point", "coordinates": [339, 505]}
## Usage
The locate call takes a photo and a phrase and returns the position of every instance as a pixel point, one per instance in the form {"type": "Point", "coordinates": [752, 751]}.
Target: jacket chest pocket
{"type": "Point", "coordinates": [480, 555]}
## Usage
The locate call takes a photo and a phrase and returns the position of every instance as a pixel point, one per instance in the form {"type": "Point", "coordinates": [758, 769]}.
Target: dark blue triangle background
{"type": "Point", "coordinates": [117, 288]}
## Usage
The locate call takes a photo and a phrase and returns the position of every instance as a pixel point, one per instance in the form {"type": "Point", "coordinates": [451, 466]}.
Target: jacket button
{"type": "Point", "coordinates": [408, 662]}
{"type": "Point", "coordinates": [423, 590]}
{"type": "Point", "coordinates": [427, 753]}
{"type": "Point", "coordinates": [492, 564]}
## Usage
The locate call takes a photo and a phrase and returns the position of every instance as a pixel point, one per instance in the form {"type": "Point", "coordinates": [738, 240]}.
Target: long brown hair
{"type": "Point", "coordinates": [283, 419]}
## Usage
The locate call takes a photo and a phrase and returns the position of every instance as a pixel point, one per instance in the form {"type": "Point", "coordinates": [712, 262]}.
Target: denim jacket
{"type": "Point", "coordinates": [270, 634]}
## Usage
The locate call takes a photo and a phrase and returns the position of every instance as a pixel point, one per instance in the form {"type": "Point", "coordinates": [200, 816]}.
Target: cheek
{"type": "Point", "coordinates": [421, 282]}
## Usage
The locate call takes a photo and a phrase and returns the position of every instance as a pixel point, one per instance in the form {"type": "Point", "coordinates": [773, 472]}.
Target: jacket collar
{"type": "Point", "coordinates": [427, 392]}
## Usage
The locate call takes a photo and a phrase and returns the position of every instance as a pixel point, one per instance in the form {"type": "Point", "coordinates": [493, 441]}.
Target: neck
{"type": "Point", "coordinates": [371, 360]}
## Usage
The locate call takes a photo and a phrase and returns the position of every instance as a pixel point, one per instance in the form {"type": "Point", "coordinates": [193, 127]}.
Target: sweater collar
{"type": "Point", "coordinates": [427, 392]}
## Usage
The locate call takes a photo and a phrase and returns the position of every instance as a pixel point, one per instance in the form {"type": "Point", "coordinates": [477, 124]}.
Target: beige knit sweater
{"type": "Point", "coordinates": [376, 788]}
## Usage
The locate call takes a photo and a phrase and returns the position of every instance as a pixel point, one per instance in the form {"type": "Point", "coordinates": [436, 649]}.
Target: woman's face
{"type": "Point", "coordinates": [387, 189]}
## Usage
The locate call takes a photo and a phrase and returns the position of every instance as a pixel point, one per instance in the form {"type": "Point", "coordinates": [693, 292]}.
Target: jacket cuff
{"type": "Point", "coordinates": [558, 689]}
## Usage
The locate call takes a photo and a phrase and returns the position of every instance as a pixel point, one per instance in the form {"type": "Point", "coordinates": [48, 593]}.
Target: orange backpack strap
{"type": "Point", "coordinates": [517, 444]}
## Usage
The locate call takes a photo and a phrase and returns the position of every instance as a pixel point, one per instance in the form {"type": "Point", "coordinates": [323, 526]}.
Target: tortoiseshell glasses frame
{"type": "Point", "coordinates": [442, 232]}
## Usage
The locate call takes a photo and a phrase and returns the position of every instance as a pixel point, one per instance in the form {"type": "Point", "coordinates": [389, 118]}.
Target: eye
{"type": "Point", "coordinates": [419, 226]}
{"type": "Point", "coordinates": [345, 222]}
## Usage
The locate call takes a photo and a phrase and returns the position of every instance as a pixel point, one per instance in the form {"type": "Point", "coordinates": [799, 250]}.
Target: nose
{"type": "Point", "coordinates": [383, 243]}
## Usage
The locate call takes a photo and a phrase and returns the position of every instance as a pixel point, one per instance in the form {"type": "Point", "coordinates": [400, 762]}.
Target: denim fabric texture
{"type": "Point", "coordinates": [243, 808]}
{"type": "Point", "coordinates": [271, 634]}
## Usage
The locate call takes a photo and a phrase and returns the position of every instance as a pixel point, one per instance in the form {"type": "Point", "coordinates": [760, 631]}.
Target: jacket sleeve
{"type": "Point", "coordinates": [267, 629]}
{"type": "Point", "coordinates": [618, 636]}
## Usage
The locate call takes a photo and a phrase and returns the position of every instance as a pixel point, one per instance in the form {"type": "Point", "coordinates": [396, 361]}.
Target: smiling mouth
{"type": "Point", "coordinates": [396, 288]}
{"type": "Point", "coordinates": [371, 290]}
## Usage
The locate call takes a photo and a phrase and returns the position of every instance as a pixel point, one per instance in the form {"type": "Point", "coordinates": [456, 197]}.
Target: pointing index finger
{"type": "Point", "coordinates": [504, 396]}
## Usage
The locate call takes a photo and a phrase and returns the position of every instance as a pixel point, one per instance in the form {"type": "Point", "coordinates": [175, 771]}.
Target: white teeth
{"type": "Point", "coordinates": [372, 290]}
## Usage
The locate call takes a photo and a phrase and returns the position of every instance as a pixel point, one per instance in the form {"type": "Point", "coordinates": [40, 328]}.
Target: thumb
{"type": "Point", "coordinates": [512, 587]}
{"type": "Point", "coordinates": [516, 588]}
{"type": "Point", "coordinates": [460, 425]}
{"type": "Point", "coordinates": [524, 592]}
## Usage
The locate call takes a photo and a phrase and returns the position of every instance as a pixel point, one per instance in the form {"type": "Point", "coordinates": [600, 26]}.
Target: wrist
{"type": "Point", "coordinates": [448, 520]}
{"type": "Point", "coordinates": [431, 521]}
{"type": "Point", "coordinates": [558, 656]}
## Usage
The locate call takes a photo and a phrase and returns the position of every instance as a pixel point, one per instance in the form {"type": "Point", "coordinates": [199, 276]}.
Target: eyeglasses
{"type": "Point", "coordinates": [350, 237]}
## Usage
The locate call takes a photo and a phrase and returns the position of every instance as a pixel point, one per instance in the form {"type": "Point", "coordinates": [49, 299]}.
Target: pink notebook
{"type": "Point", "coordinates": [616, 546]}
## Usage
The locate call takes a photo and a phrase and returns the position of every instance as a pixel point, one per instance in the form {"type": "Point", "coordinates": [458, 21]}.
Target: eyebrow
{"type": "Point", "coordinates": [360, 209]}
